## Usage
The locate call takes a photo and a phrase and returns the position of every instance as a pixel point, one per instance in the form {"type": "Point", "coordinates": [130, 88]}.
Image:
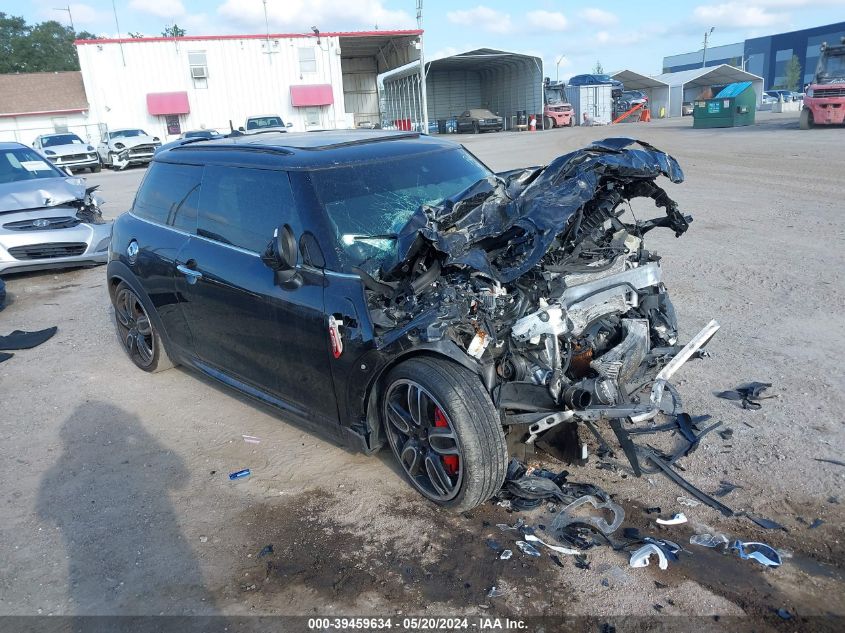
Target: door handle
{"type": "Point", "coordinates": [192, 275]}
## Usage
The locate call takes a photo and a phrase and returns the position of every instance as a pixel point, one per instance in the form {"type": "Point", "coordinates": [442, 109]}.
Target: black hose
{"type": "Point", "coordinates": [372, 284]}
{"type": "Point", "coordinates": [426, 278]}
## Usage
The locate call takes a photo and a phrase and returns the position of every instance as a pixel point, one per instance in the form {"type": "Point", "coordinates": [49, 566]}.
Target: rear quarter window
{"type": "Point", "coordinates": [242, 206]}
{"type": "Point", "coordinates": [170, 195]}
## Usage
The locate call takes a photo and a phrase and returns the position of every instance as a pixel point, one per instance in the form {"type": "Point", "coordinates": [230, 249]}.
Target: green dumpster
{"type": "Point", "coordinates": [734, 106]}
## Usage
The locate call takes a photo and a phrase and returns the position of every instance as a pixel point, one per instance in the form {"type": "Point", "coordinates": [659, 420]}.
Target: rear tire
{"type": "Point", "coordinates": [136, 332]}
{"type": "Point", "coordinates": [467, 430]}
{"type": "Point", "coordinates": [475, 129]}
{"type": "Point", "coordinates": [806, 120]}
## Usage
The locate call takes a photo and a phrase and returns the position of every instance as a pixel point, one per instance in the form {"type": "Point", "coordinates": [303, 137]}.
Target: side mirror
{"type": "Point", "coordinates": [241, 129]}
{"type": "Point", "coordinates": [281, 256]}
{"type": "Point", "coordinates": [288, 124]}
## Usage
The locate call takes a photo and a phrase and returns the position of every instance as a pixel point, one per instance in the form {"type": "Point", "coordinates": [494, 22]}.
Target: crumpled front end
{"type": "Point", "coordinates": [538, 279]}
{"type": "Point", "coordinates": [51, 224]}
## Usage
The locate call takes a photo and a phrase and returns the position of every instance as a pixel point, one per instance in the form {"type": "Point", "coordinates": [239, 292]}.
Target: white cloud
{"type": "Point", "coordinates": [159, 8]}
{"type": "Point", "coordinates": [599, 17]}
{"type": "Point", "coordinates": [301, 15]}
{"type": "Point", "coordinates": [547, 20]}
{"type": "Point", "coordinates": [737, 15]}
{"type": "Point", "coordinates": [483, 18]}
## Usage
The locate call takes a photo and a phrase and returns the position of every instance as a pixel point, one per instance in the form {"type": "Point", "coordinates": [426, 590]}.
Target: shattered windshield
{"type": "Point", "coordinates": [831, 69]}
{"type": "Point", "coordinates": [60, 139]}
{"type": "Point", "coordinates": [24, 164]}
{"type": "Point", "coordinates": [368, 203]}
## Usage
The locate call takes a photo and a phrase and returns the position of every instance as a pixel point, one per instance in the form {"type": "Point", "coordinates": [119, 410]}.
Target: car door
{"type": "Point", "coordinates": [464, 121]}
{"type": "Point", "coordinates": [268, 339]}
{"type": "Point", "coordinates": [166, 202]}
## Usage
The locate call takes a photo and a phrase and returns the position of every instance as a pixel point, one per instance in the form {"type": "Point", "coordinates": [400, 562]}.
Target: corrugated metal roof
{"type": "Point", "coordinates": [712, 75]}
{"type": "Point", "coordinates": [42, 93]}
{"type": "Point", "coordinates": [733, 90]}
{"type": "Point", "coordinates": [636, 81]}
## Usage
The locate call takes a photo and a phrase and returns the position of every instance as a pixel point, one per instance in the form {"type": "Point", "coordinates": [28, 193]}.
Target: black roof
{"type": "Point", "coordinates": [301, 150]}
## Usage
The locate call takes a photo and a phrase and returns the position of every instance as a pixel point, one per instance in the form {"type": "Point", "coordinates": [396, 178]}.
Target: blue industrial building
{"type": "Point", "coordinates": [766, 56]}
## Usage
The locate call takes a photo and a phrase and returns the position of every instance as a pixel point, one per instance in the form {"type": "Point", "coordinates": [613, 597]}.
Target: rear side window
{"type": "Point", "coordinates": [170, 195]}
{"type": "Point", "coordinates": [242, 206]}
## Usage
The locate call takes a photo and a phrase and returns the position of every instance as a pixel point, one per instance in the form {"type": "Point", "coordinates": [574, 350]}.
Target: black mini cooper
{"type": "Point", "coordinates": [389, 288]}
{"type": "Point", "coordinates": [239, 259]}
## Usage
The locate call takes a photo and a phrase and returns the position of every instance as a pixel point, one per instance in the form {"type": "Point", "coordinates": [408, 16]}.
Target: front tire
{"type": "Point", "coordinates": [445, 432]}
{"type": "Point", "coordinates": [550, 123]}
{"type": "Point", "coordinates": [475, 129]}
{"type": "Point", "coordinates": [806, 120]}
{"type": "Point", "coordinates": [96, 168]}
{"type": "Point", "coordinates": [136, 332]}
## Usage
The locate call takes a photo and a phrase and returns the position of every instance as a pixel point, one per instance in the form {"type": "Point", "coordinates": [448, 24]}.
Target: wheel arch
{"type": "Point", "coordinates": [440, 350]}
{"type": "Point", "coordinates": [118, 272]}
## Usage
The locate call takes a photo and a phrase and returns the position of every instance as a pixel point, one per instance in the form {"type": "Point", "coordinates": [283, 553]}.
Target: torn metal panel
{"type": "Point", "coordinates": [541, 281]}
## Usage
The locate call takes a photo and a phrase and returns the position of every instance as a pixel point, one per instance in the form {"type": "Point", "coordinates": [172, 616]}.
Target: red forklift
{"type": "Point", "coordinates": [824, 98]}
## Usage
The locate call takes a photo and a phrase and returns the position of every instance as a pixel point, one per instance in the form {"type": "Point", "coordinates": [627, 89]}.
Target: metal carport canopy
{"type": "Point", "coordinates": [507, 82]}
{"type": "Point", "coordinates": [658, 90]}
{"type": "Point", "coordinates": [720, 75]}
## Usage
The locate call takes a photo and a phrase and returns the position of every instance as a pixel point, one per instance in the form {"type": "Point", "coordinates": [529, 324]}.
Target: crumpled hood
{"type": "Point", "coordinates": [69, 149]}
{"type": "Point", "coordinates": [132, 141]}
{"type": "Point", "coordinates": [504, 229]}
{"type": "Point", "coordinates": [41, 192]}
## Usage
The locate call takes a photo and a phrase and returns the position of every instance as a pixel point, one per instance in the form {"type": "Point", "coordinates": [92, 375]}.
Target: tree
{"type": "Point", "coordinates": [173, 31]}
{"type": "Point", "coordinates": [793, 74]}
{"type": "Point", "coordinates": [598, 69]}
{"type": "Point", "coordinates": [136, 35]}
{"type": "Point", "coordinates": [43, 47]}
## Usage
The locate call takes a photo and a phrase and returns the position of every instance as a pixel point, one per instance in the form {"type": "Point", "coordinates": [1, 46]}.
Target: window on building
{"type": "Point", "coordinates": [312, 117]}
{"type": "Point", "coordinates": [170, 195]}
{"type": "Point", "coordinates": [243, 206]}
{"type": "Point", "coordinates": [307, 60]}
{"type": "Point", "coordinates": [60, 125]}
{"type": "Point", "coordinates": [199, 68]}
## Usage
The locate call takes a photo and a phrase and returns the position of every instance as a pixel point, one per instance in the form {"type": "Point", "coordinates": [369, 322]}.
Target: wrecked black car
{"type": "Point", "coordinates": [389, 288]}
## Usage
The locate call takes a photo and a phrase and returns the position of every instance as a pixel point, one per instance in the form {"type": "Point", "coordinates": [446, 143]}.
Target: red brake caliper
{"type": "Point", "coordinates": [449, 461]}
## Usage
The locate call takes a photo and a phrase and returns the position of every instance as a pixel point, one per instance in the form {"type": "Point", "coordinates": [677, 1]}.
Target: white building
{"type": "Point", "coordinates": [32, 104]}
{"type": "Point", "coordinates": [171, 85]}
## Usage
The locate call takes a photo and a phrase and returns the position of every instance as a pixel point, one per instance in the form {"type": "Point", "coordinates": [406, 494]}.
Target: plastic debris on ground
{"type": "Point", "coordinates": [690, 503]}
{"type": "Point", "coordinates": [747, 394]}
{"type": "Point", "coordinates": [567, 516]}
{"type": "Point", "coordinates": [495, 592]}
{"type": "Point", "coordinates": [506, 554]}
{"type": "Point", "coordinates": [762, 553]}
{"type": "Point", "coordinates": [251, 439]}
{"type": "Point", "coordinates": [528, 549]}
{"type": "Point", "coordinates": [265, 551]}
{"type": "Point", "coordinates": [240, 474]}
{"type": "Point", "coordinates": [494, 545]}
{"type": "Point", "coordinates": [641, 557]}
{"type": "Point", "coordinates": [581, 562]}
{"type": "Point", "coordinates": [677, 519]}
{"type": "Point", "coordinates": [556, 548]}
{"type": "Point", "coordinates": [815, 524]}
{"type": "Point", "coordinates": [709, 540]}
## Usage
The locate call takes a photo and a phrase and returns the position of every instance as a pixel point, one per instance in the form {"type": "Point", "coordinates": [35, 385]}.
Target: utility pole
{"type": "Point", "coordinates": [423, 93]}
{"type": "Point", "coordinates": [117, 26]}
{"type": "Point", "coordinates": [69, 15]}
{"type": "Point", "coordinates": [707, 35]}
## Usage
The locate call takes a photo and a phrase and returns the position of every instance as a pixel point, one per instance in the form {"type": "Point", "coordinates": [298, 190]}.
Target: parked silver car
{"type": "Point", "coordinates": [68, 150]}
{"type": "Point", "coordinates": [47, 218]}
{"type": "Point", "coordinates": [119, 149]}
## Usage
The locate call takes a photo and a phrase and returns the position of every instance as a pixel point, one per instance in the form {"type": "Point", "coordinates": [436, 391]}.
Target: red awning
{"type": "Point", "coordinates": [315, 95]}
{"type": "Point", "coordinates": [168, 103]}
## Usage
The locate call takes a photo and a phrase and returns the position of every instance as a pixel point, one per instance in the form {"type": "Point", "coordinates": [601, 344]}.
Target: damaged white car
{"type": "Point", "coordinates": [69, 151]}
{"type": "Point", "coordinates": [47, 218]}
{"type": "Point", "coordinates": [119, 149]}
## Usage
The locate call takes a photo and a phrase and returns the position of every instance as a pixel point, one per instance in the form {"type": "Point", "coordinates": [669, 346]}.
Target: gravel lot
{"type": "Point", "coordinates": [116, 499]}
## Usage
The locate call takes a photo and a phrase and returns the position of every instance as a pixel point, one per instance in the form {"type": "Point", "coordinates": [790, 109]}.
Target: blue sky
{"type": "Point", "coordinates": [622, 34]}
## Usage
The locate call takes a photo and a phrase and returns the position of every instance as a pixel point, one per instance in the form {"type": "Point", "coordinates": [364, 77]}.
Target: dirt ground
{"type": "Point", "coordinates": [116, 498]}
